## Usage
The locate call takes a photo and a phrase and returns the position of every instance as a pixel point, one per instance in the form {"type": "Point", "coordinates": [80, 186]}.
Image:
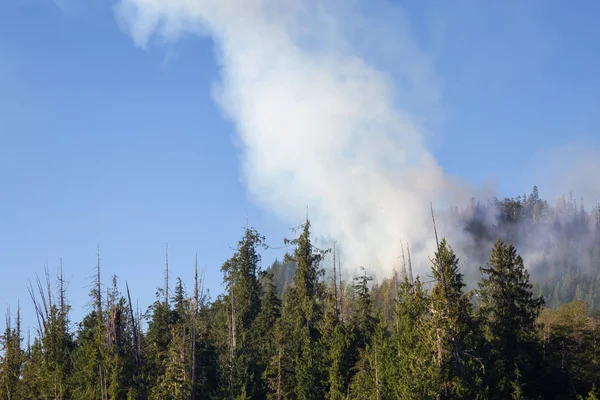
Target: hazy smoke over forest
{"type": "Point", "coordinates": [318, 125]}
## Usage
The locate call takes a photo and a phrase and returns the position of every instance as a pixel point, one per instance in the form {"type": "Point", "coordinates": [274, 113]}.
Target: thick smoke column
{"type": "Point", "coordinates": [319, 125]}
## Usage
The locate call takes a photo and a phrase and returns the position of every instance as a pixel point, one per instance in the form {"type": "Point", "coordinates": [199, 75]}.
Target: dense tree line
{"type": "Point", "coordinates": [560, 241]}
{"type": "Point", "coordinates": [290, 332]}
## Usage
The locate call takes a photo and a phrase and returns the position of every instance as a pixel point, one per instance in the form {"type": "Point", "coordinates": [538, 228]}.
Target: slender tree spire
{"type": "Point", "coordinates": [404, 274]}
{"type": "Point", "coordinates": [202, 285]}
{"type": "Point", "coordinates": [61, 289]}
{"type": "Point", "coordinates": [167, 274]}
{"type": "Point", "coordinates": [194, 317]}
{"type": "Point", "coordinates": [196, 282]}
{"type": "Point", "coordinates": [7, 318]}
{"type": "Point", "coordinates": [410, 271]}
{"type": "Point", "coordinates": [437, 244]}
{"type": "Point", "coordinates": [98, 288]}
{"type": "Point", "coordinates": [335, 293]}
{"type": "Point", "coordinates": [341, 286]}
{"type": "Point", "coordinates": [135, 329]}
{"type": "Point", "coordinates": [19, 320]}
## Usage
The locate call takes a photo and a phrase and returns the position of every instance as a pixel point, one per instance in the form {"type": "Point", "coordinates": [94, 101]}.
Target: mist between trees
{"type": "Point", "coordinates": [291, 331]}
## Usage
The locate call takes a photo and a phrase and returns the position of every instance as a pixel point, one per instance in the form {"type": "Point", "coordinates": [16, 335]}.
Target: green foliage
{"type": "Point", "coordinates": [303, 365]}
{"type": "Point", "coordinates": [415, 370]}
{"type": "Point", "coordinates": [569, 336]}
{"type": "Point", "coordinates": [508, 311]}
{"type": "Point", "coordinates": [285, 333]}
{"type": "Point", "coordinates": [11, 361]}
{"type": "Point", "coordinates": [454, 327]}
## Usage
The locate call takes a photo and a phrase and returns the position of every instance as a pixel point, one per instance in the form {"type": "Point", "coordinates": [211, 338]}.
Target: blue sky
{"type": "Point", "coordinates": [104, 143]}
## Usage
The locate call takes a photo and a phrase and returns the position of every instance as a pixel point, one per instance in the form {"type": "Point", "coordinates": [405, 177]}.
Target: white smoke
{"type": "Point", "coordinates": [319, 125]}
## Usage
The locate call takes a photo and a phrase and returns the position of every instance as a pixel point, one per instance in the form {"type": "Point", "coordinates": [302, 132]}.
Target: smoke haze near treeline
{"type": "Point", "coordinates": [318, 125]}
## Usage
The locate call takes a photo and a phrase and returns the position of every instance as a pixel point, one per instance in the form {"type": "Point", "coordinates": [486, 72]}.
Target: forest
{"type": "Point", "coordinates": [495, 327]}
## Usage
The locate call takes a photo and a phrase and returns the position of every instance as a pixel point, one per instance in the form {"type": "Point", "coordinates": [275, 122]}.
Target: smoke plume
{"type": "Point", "coordinates": [318, 124]}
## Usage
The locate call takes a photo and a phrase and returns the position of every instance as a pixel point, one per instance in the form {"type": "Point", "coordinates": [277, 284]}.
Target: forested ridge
{"type": "Point", "coordinates": [293, 331]}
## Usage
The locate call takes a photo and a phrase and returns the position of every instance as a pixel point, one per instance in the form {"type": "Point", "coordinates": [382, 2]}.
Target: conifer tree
{"type": "Point", "coordinates": [370, 355]}
{"type": "Point", "coordinates": [11, 359]}
{"type": "Point", "coordinates": [509, 311]}
{"type": "Point", "coordinates": [266, 334]}
{"type": "Point", "coordinates": [242, 304]}
{"type": "Point", "coordinates": [451, 312]}
{"type": "Point", "coordinates": [415, 370]}
{"type": "Point", "coordinates": [336, 338]}
{"type": "Point", "coordinates": [54, 342]}
{"type": "Point", "coordinates": [176, 382]}
{"type": "Point", "coordinates": [303, 361]}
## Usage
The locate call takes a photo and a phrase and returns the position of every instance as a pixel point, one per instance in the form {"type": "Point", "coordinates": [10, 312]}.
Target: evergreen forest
{"type": "Point", "coordinates": [495, 327]}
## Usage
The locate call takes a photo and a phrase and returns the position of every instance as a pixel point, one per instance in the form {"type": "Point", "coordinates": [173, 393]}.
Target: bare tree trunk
{"type": "Point", "coordinates": [410, 274]}
{"type": "Point", "coordinates": [62, 290]}
{"type": "Point", "coordinates": [19, 322]}
{"type": "Point", "coordinates": [335, 293]}
{"type": "Point", "coordinates": [376, 376]}
{"type": "Point", "coordinates": [49, 286]}
{"type": "Point", "coordinates": [233, 333]}
{"type": "Point", "coordinates": [100, 380]}
{"type": "Point", "coordinates": [135, 330]}
{"type": "Point", "coordinates": [341, 289]}
{"type": "Point", "coordinates": [404, 274]}
{"type": "Point", "coordinates": [194, 316]}
{"type": "Point", "coordinates": [437, 243]}
{"type": "Point", "coordinates": [98, 288]}
{"type": "Point", "coordinates": [279, 375]}
{"type": "Point", "coordinates": [232, 340]}
{"type": "Point", "coordinates": [167, 275]}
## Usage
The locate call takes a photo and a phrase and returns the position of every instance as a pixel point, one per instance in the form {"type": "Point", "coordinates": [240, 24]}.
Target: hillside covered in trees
{"type": "Point", "coordinates": [560, 242]}
{"type": "Point", "coordinates": [292, 332]}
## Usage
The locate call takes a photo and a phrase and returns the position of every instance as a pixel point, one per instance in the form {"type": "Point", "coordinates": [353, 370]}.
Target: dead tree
{"type": "Point", "coordinates": [341, 289]}
{"type": "Point", "coordinates": [135, 329]}
{"type": "Point", "coordinates": [98, 289]}
{"type": "Point", "coordinates": [194, 317]}
{"type": "Point", "coordinates": [410, 271]}
{"type": "Point", "coordinates": [404, 274]}
{"type": "Point", "coordinates": [437, 246]}
{"type": "Point", "coordinates": [167, 274]}
{"type": "Point", "coordinates": [335, 293]}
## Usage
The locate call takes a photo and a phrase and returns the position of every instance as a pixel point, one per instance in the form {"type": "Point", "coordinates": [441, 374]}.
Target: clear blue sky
{"type": "Point", "coordinates": [103, 143]}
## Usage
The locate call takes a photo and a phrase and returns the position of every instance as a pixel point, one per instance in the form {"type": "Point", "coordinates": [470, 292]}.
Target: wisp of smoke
{"type": "Point", "coordinates": [319, 125]}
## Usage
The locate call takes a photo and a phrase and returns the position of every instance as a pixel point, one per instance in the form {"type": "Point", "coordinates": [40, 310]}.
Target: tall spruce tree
{"type": "Point", "coordinates": [508, 310]}
{"type": "Point", "coordinates": [242, 304]}
{"type": "Point", "coordinates": [11, 360]}
{"type": "Point", "coordinates": [368, 371]}
{"type": "Point", "coordinates": [302, 358]}
{"type": "Point", "coordinates": [415, 370]}
{"type": "Point", "coordinates": [53, 346]}
{"type": "Point", "coordinates": [452, 319]}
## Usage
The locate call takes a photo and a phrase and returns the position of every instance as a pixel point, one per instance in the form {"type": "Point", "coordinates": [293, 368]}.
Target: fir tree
{"type": "Point", "coordinates": [451, 312]}
{"type": "Point", "coordinates": [302, 359]}
{"type": "Point", "coordinates": [508, 311]}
